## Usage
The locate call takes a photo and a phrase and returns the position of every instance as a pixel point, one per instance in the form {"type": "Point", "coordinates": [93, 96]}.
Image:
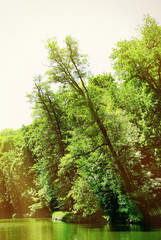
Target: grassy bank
{"type": "Point", "coordinates": [72, 218]}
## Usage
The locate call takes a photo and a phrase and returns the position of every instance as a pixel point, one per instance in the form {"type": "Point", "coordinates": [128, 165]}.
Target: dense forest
{"type": "Point", "coordinates": [94, 146]}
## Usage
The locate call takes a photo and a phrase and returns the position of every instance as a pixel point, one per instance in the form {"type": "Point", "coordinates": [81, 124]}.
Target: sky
{"type": "Point", "coordinates": [25, 25]}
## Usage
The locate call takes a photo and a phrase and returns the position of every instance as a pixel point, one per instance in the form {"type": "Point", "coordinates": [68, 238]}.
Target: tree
{"type": "Point", "coordinates": [47, 137]}
{"type": "Point", "coordinates": [98, 134]}
{"type": "Point", "coordinates": [68, 68]}
{"type": "Point", "coordinates": [137, 63]}
{"type": "Point", "coordinates": [139, 59]}
{"type": "Point", "coordinates": [47, 105]}
{"type": "Point", "coordinates": [16, 179]}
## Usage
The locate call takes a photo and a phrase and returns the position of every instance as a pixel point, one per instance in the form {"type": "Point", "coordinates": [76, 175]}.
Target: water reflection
{"type": "Point", "coordinates": [45, 229]}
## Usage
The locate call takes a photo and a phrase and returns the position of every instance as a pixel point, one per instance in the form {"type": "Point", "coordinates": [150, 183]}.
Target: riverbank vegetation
{"type": "Point", "coordinates": [93, 148]}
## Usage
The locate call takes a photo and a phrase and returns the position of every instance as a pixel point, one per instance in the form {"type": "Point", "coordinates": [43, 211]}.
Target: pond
{"type": "Point", "coordinates": [45, 229]}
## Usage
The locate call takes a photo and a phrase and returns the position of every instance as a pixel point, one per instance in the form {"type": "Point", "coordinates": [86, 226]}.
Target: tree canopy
{"type": "Point", "coordinates": [94, 145]}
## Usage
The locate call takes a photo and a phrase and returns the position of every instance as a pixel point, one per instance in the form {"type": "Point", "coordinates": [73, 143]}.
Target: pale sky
{"type": "Point", "coordinates": [26, 24]}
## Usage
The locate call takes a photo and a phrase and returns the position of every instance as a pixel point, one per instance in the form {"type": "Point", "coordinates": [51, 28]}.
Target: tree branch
{"type": "Point", "coordinates": [94, 149]}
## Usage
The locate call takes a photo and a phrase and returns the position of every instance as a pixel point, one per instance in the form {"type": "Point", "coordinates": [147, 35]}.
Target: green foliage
{"type": "Point", "coordinates": [67, 64]}
{"type": "Point", "coordinates": [137, 64]}
{"type": "Point", "coordinates": [139, 59]}
{"type": "Point", "coordinates": [86, 202]}
{"type": "Point", "coordinates": [17, 183]}
{"type": "Point", "coordinates": [94, 145]}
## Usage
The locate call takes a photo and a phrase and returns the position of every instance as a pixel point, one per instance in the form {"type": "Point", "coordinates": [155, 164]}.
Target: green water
{"type": "Point", "coordinates": [45, 229]}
